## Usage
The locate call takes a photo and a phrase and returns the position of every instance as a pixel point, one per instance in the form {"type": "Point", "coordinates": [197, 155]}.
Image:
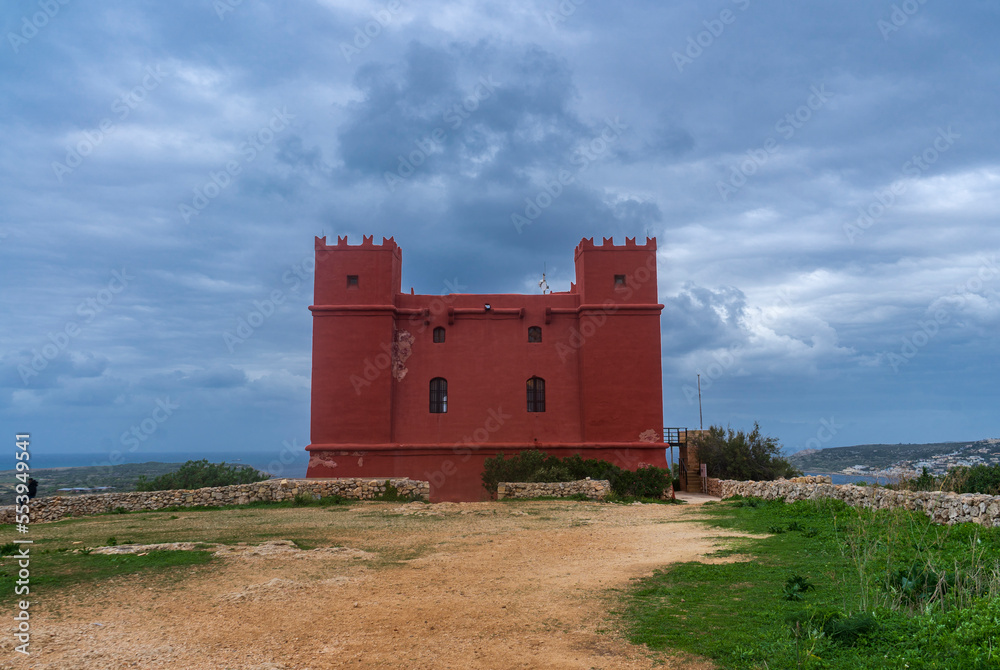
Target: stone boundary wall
{"type": "Point", "coordinates": [941, 506]}
{"type": "Point", "coordinates": [715, 485]}
{"type": "Point", "coordinates": [273, 490]}
{"type": "Point", "coordinates": [594, 489]}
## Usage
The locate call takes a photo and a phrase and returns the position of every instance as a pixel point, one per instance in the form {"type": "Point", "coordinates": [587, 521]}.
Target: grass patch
{"type": "Point", "coordinates": [52, 571]}
{"type": "Point", "coordinates": [576, 497]}
{"type": "Point", "coordinates": [300, 500]}
{"type": "Point", "coordinates": [835, 588]}
{"type": "Point", "coordinates": [628, 500]}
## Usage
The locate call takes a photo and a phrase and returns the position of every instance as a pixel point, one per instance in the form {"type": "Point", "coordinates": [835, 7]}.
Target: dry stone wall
{"type": "Point", "coordinates": [594, 489]}
{"type": "Point", "coordinates": [940, 506]}
{"type": "Point", "coordinates": [272, 490]}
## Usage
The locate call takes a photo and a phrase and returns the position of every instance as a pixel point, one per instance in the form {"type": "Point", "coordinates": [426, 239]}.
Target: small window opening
{"type": "Point", "coordinates": [352, 281]}
{"type": "Point", "coordinates": [534, 334]}
{"type": "Point", "coordinates": [487, 307]}
{"type": "Point", "coordinates": [439, 395]}
{"type": "Point", "coordinates": [619, 280]}
{"type": "Point", "coordinates": [536, 394]}
{"type": "Point", "coordinates": [439, 334]}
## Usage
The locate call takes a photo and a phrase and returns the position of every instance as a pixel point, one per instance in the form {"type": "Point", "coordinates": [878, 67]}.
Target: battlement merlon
{"type": "Point", "coordinates": [608, 244]}
{"type": "Point", "coordinates": [367, 242]}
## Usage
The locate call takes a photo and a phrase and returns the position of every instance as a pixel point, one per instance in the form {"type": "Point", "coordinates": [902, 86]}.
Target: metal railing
{"type": "Point", "coordinates": [676, 437]}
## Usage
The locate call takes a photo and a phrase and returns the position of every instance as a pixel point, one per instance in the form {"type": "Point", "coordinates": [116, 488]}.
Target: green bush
{"type": "Point", "coordinates": [975, 479]}
{"type": "Point", "coordinates": [730, 454]}
{"type": "Point", "coordinates": [646, 482]}
{"type": "Point", "coordinates": [199, 474]}
{"type": "Point", "coordinates": [392, 494]}
{"type": "Point", "coordinates": [537, 466]}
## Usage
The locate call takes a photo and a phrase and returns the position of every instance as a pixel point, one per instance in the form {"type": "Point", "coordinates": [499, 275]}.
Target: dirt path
{"type": "Point", "coordinates": [471, 585]}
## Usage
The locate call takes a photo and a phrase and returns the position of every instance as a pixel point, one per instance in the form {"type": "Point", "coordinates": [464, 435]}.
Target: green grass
{"type": "Point", "coordinates": [628, 500]}
{"type": "Point", "coordinates": [834, 589]}
{"type": "Point", "coordinates": [576, 497]}
{"type": "Point", "coordinates": [59, 554]}
{"type": "Point", "coordinates": [60, 569]}
{"type": "Point", "coordinates": [300, 500]}
{"type": "Point", "coordinates": [582, 497]}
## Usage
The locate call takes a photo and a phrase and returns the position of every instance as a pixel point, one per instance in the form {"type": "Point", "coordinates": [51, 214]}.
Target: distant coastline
{"type": "Point", "coordinates": [841, 478]}
{"type": "Point", "coordinates": [265, 461]}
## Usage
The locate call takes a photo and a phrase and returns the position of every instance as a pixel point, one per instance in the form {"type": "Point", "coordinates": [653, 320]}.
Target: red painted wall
{"type": "Point", "coordinates": [374, 357]}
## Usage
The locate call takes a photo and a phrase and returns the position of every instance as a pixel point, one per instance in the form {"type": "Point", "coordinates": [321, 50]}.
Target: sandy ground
{"type": "Point", "coordinates": [492, 585]}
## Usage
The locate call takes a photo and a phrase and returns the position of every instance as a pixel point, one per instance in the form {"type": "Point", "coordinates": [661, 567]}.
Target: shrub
{"type": "Point", "coordinates": [730, 454]}
{"type": "Point", "coordinates": [975, 479]}
{"type": "Point", "coordinates": [305, 499]}
{"type": "Point", "coordinates": [795, 586]}
{"type": "Point", "coordinates": [843, 629]}
{"type": "Point", "coordinates": [918, 582]}
{"type": "Point", "coordinates": [199, 474]}
{"type": "Point", "coordinates": [537, 466]}
{"type": "Point", "coordinates": [391, 494]}
{"type": "Point", "coordinates": [646, 482]}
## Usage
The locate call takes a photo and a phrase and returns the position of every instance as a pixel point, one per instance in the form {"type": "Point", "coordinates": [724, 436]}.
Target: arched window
{"type": "Point", "coordinates": [439, 395]}
{"type": "Point", "coordinates": [536, 394]}
{"type": "Point", "coordinates": [534, 334]}
{"type": "Point", "coordinates": [439, 334]}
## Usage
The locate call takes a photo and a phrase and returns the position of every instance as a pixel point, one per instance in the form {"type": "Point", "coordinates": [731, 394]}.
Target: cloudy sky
{"type": "Point", "coordinates": [823, 180]}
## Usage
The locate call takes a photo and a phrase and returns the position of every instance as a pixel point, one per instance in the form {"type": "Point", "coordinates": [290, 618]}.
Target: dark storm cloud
{"type": "Point", "coordinates": [464, 108]}
{"type": "Point", "coordinates": [701, 317]}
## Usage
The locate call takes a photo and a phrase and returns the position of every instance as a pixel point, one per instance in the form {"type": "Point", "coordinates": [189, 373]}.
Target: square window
{"type": "Point", "coordinates": [619, 280]}
{"type": "Point", "coordinates": [352, 281]}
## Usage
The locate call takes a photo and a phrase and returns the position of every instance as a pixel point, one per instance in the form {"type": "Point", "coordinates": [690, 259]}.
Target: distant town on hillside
{"type": "Point", "coordinates": [896, 460]}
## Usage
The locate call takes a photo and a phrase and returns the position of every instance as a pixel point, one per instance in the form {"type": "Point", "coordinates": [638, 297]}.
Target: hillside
{"type": "Point", "coordinates": [122, 477]}
{"type": "Point", "coordinates": [936, 456]}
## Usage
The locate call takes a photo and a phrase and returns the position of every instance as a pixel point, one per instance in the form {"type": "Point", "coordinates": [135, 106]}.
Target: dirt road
{"type": "Point", "coordinates": [469, 585]}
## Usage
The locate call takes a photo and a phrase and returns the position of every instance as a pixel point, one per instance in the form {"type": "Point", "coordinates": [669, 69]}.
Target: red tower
{"type": "Point", "coordinates": [428, 387]}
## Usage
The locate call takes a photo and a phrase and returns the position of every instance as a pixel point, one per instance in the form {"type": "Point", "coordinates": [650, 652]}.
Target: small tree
{"type": "Point", "coordinates": [742, 456]}
{"type": "Point", "coordinates": [199, 474]}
